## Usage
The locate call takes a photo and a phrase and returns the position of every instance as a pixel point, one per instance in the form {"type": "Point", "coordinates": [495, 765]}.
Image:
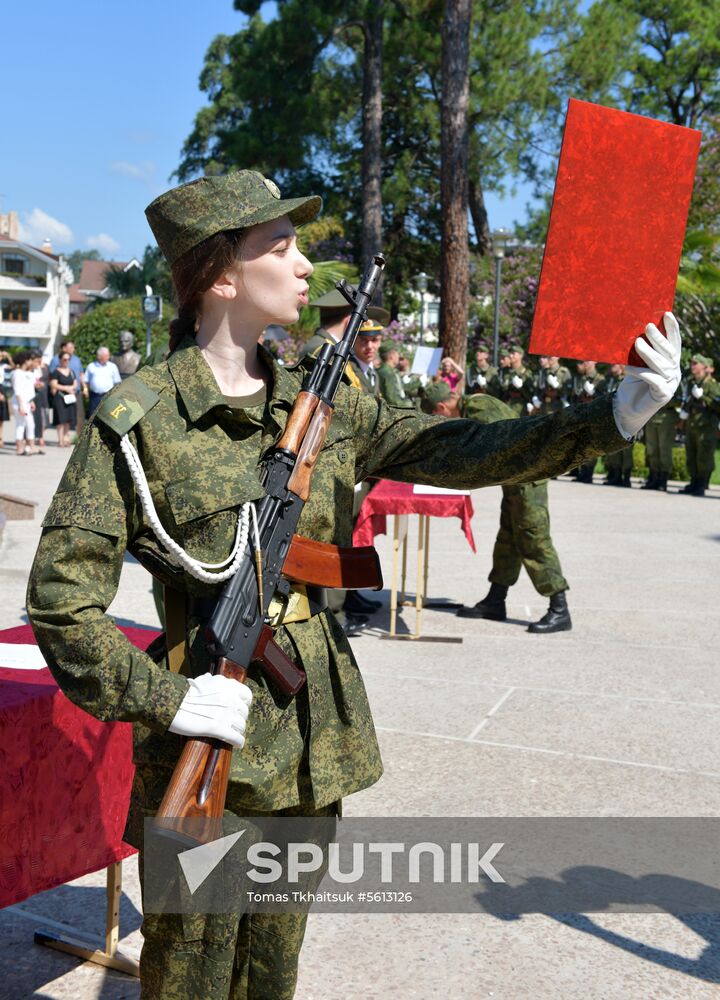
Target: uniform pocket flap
{"type": "Point", "coordinates": [207, 493]}
{"type": "Point", "coordinates": [83, 509]}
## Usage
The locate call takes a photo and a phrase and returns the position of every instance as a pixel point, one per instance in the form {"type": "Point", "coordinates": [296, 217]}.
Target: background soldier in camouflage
{"type": "Point", "coordinates": [516, 382]}
{"type": "Point", "coordinates": [335, 312]}
{"type": "Point", "coordinates": [524, 535]}
{"type": "Point", "coordinates": [552, 385]}
{"type": "Point", "coordinates": [481, 376]}
{"type": "Point", "coordinates": [701, 410]}
{"type": "Point", "coordinates": [412, 385]}
{"type": "Point", "coordinates": [619, 464]}
{"type": "Point", "coordinates": [587, 385]}
{"type": "Point", "coordinates": [659, 437]}
{"type": "Point", "coordinates": [391, 388]}
{"type": "Point", "coordinates": [201, 423]}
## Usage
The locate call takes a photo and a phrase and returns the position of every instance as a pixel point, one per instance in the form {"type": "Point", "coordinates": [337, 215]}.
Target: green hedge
{"type": "Point", "coordinates": [101, 326]}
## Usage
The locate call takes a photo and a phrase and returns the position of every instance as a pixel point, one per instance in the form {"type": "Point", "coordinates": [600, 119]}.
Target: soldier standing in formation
{"type": "Point", "coordinates": [619, 464]}
{"type": "Point", "coordinates": [659, 437]}
{"type": "Point", "coordinates": [516, 382]}
{"type": "Point", "coordinates": [552, 385]}
{"type": "Point", "coordinates": [391, 387]}
{"type": "Point", "coordinates": [524, 535]}
{"type": "Point", "coordinates": [701, 409]}
{"type": "Point", "coordinates": [588, 384]}
{"type": "Point", "coordinates": [175, 452]}
{"type": "Point", "coordinates": [481, 376]}
{"type": "Point", "coordinates": [413, 385]}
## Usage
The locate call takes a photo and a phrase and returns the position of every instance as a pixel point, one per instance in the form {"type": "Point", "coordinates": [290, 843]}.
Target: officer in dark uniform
{"type": "Point", "coordinates": [335, 312]}
{"type": "Point", "coordinates": [362, 360]}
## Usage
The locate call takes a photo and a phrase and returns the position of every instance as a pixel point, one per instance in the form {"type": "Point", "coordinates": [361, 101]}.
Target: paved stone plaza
{"type": "Point", "coordinates": [619, 717]}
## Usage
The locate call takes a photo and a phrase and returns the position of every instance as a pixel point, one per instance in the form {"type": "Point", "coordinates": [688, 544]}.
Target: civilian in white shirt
{"type": "Point", "coordinates": [100, 377]}
{"type": "Point", "coordinates": [23, 407]}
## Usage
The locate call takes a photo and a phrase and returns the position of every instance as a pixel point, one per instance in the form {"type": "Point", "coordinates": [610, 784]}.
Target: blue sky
{"type": "Point", "coordinates": [99, 99]}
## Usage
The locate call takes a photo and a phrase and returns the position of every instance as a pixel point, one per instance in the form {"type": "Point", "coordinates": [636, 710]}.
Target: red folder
{"type": "Point", "coordinates": [615, 236]}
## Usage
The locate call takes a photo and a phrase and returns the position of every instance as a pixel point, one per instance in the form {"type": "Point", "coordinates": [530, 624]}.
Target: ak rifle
{"type": "Point", "coordinates": [238, 632]}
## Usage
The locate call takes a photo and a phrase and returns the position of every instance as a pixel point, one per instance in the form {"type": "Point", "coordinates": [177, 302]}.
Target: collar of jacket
{"type": "Point", "coordinates": [200, 392]}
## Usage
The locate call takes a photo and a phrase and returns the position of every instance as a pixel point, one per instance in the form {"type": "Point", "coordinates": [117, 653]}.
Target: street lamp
{"type": "Point", "coordinates": [421, 281]}
{"type": "Point", "coordinates": [500, 239]}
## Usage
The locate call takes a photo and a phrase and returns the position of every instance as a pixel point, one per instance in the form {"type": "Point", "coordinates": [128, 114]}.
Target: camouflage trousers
{"type": "Point", "coordinates": [700, 441]}
{"type": "Point", "coordinates": [621, 460]}
{"type": "Point", "coordinates": [524, 540]}
{"type": "Point", "coordinates": [225, 956]}
{"type": "Point", "coordinates": [659, 437]}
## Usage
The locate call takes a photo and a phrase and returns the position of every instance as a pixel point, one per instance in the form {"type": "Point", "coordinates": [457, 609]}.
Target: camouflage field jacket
{"type": "Point", "coordinates": [201, 457]}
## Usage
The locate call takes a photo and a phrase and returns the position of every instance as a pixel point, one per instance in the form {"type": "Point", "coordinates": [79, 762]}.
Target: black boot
{"type": "Point", "coordinates": [626, 480]}
{"type": "Point", "coordinates": [492, 605]}
{"type": "Point", "coordinates": [651, 483]}
{"type": "Point", "coordinates": [662, 481]}
{"type": "Point", "coordinates": [556, 618]}
{"type": "Point", "coordinates": [611, 479]}
{"type": "Point", "coordinates": [690, 487]}
{"type": "Point", "coordinates": [356, 604]}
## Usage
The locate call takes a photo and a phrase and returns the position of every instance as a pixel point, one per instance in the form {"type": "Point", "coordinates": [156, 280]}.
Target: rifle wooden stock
{"type": "Point", "coordinates": [324, 565]}
{"type": "Point", "coordinates": [307, 456]}
{"type": "Point", "coordinates": [298, 422]}
{"type": "Point", "coordinates": [198, 786]}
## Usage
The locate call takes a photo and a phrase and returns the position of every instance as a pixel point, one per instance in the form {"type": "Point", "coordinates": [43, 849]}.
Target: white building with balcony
{"type": "Point", "coordinates": [34, 296]}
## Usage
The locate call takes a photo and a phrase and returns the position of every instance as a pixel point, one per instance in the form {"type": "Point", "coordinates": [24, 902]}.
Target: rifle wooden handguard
{"type": "Point", "coordinates": [325, 565]}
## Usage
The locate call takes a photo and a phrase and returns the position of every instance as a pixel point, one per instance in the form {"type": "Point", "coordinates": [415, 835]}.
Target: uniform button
{"type": "Point", "coordinates": [342, 456]}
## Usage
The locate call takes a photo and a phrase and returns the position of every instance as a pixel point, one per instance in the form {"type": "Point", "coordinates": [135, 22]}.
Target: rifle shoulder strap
{"type": "Point", "coordinates": [175, 630]}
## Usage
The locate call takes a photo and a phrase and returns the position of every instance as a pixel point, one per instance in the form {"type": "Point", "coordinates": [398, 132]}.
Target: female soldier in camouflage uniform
{"type": "Point", "coordinates": [200, 424]}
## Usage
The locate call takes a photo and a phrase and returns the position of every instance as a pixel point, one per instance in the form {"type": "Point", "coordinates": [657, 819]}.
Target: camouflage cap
{"type": "Point", "coordinates": [436, 392]}
{"type": "Point", "coordinates": [516, 348]}
{"type": "Point", "coordinates": [387, 347]}
{"type": "Point", "coordinates": [187, 215]}
{"type": "Point", "coordinates": [335, 302]}
{"type": "Point", "coordinates": [702, 359]}
{"type": "Point", "coordinates": [481, 346]}
{"type": "Point", "coordinates": [504, 352]}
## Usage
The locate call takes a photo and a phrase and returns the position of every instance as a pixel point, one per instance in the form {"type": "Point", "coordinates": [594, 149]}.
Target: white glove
{"type": "Point", "coordinates": [552, 381]}
{"type": "Point", "coordinates": [517, 381]}
{"type": "Point", "coordinates": [697, 391]}
{"type": "Point", "coordinates": [424, 379]}
{"type": "Point", "coordinates": [644, 391]}
{"type": "Point", "coordinates": [536, 402]}
{"type": "Point", "coordinates": [216, 707]}
{"type": "Point", "coordinates": [683, 414]}
{"type": "Point", "coordinates": [481, 381]}
{"type": "Point", "coordinates": [529, 407]}
{"type": "Point", "coordinates": [588, 388]}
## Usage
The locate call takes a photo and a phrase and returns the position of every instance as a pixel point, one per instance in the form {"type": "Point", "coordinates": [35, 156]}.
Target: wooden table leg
{"type": "Point", "coordinates": [394, 578]}
{"type": "Point", "coordinates": [67, 939]}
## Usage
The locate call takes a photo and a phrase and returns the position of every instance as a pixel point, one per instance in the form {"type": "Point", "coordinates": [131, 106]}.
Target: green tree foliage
{"type": "Point", "coordinates": [153, 271]}
{"type": "Point", "coordinates": [101, 326]}
{"type": "Point", "coordinates": [77, 258]}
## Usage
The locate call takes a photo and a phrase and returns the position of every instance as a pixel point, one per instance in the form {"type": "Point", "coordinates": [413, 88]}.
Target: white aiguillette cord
{"type": "Point", "coordinates": [176, 552]}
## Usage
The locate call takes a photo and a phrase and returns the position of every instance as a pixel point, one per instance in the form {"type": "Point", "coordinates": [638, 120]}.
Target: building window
{"type": "Point", "coordinates": [13, 264]}
{"type": "Point", "coordinates": [15, 310]}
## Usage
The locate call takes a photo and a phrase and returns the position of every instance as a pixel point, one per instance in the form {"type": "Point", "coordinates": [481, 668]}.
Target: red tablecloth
{"type": "Point", "coordinates": [64, 781]}
{"type": "Point", "coordinates": [398, 498]}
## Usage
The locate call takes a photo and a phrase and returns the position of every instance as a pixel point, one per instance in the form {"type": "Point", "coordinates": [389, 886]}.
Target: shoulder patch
{"type": "Point", "coordinates": [126, 404]}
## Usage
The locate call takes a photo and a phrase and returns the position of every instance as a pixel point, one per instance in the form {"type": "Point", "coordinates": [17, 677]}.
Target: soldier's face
{"type": "Point", "coordinates": [515, 359]}
{"type": "Point", "coordinates": [366, 348]}
{"type": "Point", "coordinates": [698, 369]}
{"type": "Point", "coordinates": [271, 280]}
{"type": "Point", "coordinates": [481, 357]}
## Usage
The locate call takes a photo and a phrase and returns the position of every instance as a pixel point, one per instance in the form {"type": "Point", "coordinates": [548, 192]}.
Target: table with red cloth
{"type": "Point", "coordinates": [65, 781]}
{"type": "Point", "coordinates": [400, 500]}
